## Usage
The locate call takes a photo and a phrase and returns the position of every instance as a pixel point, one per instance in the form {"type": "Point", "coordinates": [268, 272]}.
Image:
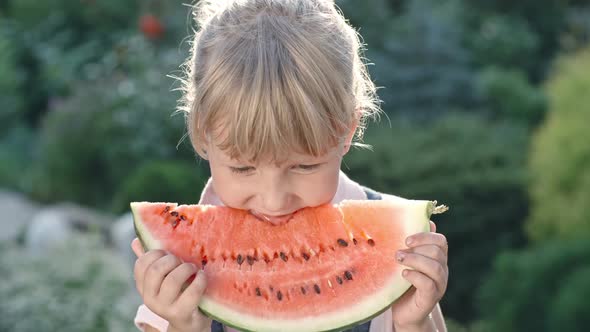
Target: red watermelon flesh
{"type": "Point", "coordinates": [328, 268]}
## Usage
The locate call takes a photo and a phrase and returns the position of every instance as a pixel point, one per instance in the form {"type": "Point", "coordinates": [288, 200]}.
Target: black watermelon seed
{"type": "Point", "coordinates": [183, 217]}
{"type": "Point", "coordinates": [166, 209]}
{"type": "Point", "coordinates": [175, 223]}
{"type": "Point", "coordinates": [342, 243]}
{"type": "Point", "coordinates": [317, 288]}
{"type": "Point", "coordinates": [240, 259]}
{"type": "Point", "coordinates": [250, 259]}
{"type": "Point", "coordinates": [354, 241]}
{"type": "Point", "coordinates": [284, 257]}
{"type": "Point", "coordinates": [204, 262]}
{"type": "Point", "coordinates": [303, 290]}
{"type": "Point", "coordinates": [271, 289]}
{"type": "Point", "coordinates": [305, 256]}
{"type": "Point", "coordinates": [279, 295]}
{"type": "Point", "coordinates": [371, 242]}
{"type": "Point", "coordinates": [348, 275]}
{"type": "Point", "coordinates": [258, 293]}
{"type": "Point", "coordinates": [339, 280]}
{"type": "Point", "coordinates": [174, 213]}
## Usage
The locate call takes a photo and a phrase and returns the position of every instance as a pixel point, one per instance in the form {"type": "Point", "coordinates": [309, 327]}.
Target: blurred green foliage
{"type": "Point", "coordinates": [569, 309]}
{"type": "Point", "coordinates": [463, 162]}
{"type": "Point", "coordinates": [421, 62]}
{"type": "Point", "coordinates": [55, 39]}
{"type": "Point", "coordinates": [560, 155]}
{"type": "Point", "coordinates": [162, 181]}
{"type": "Point", "coordinates": [504, 41]}
{"type": "Point", "coordinates": [544, 288]}
{"type": "Point", "coordinates": [511, 96]}
{"type": "Point", "coordinates": [92, 141]}
{"type": "Point", "coordinates": [81, 287]}
{"type": "Point", "coordinates": [525, 29]}
{"type": "Point", "coordinates": [11, 84]}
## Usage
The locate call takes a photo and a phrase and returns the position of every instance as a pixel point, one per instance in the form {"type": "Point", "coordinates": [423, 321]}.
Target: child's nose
{"type": "Point", "coordinates": [275, 202]}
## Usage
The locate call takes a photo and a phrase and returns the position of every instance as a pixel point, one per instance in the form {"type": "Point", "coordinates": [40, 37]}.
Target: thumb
{"type": "Point", "coordinates": [432, 227]}
{"type": "Point", "coordinates": [137, 247]}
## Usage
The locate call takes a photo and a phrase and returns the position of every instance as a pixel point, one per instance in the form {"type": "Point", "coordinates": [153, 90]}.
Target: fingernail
{"type": "Point", "coordinates": [400, 256]}
{"type": "Point", "coordinates": [409, 241]}
{"type": "Point", "coordinates": [191, 278]}
{"type": "Point", "coordinates": [405, 273]}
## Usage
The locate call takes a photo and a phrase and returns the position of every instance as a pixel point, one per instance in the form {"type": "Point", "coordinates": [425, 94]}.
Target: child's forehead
{"type": "Point", "coordinates": [243, 149]}
{"type": "Point", "coordinates": [288, 155]}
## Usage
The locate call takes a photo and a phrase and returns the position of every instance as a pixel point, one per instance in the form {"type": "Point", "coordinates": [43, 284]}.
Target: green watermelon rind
{"type": "Point", "coordinates": [341, 328]}
{"type": "Point", "coordinates": [422, 211]}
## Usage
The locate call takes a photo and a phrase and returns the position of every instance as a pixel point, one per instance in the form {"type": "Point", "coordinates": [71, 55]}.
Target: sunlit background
{"type": "Point", "coordinates": [488, 108]}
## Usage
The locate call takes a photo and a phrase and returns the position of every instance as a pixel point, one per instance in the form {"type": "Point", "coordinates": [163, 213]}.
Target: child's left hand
{"type": "Point", "coordinates": [427, 254]}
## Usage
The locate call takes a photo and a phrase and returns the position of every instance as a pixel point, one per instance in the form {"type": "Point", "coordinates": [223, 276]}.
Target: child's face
{"type": "Point", "coordinates": [273, 192]}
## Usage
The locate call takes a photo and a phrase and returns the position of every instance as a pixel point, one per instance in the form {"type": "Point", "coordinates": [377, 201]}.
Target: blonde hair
{"type": "Point", "coordinates": [268, 77]}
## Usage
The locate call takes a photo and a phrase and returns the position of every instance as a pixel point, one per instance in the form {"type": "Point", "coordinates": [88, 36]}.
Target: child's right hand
{"type": "Point", "coordinates": [159, 278]}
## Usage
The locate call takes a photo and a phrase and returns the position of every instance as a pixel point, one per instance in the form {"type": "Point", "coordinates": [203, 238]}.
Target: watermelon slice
{"type": "Point", "coordinates": [329, 268]}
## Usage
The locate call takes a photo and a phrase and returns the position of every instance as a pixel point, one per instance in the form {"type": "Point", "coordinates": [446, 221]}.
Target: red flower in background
{"type": "Point", "coordinates": [151, 27]}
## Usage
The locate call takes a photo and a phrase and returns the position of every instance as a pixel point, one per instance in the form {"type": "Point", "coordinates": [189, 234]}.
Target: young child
{"type": "Point", "coordinates": [274, 95]}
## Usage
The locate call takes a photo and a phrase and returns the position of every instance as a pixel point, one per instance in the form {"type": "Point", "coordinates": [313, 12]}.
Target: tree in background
{"type": "Point", "coordinates": [560, 155]}
{"type": "Point", "coordinates": [542, 289]}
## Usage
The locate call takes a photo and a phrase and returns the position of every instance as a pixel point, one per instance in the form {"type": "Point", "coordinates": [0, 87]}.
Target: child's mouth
{"type": "Point", "coordinates": [275, 220]}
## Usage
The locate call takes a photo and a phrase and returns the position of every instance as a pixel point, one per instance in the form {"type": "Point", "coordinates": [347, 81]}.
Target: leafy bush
{"type": "Point", "coordinates": [560, 155]}
{"type": "Point", "coordinates": [162, 181]}
{"type": "Point", "coordinates": [92, 141]}
{"type": "Point", "coordinates": [15, 156]}
{"type": "Point", "coordinates": [55, 39]}
{"type": "Point", "coordinates": [79, 286]}
{"type": "Point", "coordinates": [474, 166]}
{"type": "Point", "coordinates": [541, 289]}
{"type": "Point", "coordinates": [11, 84]}
{"type": "Point", "coordinates": [509, 94]}
{"type": "Point", "coordinates": [74, 21]}
{"type": "Point", "coordinates": [569, 310]}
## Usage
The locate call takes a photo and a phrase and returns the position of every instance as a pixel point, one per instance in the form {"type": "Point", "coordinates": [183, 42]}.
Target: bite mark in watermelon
{"type": "Point", "coordinates": [329, 268]}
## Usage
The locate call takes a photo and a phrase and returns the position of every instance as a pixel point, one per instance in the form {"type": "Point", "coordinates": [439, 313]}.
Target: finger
{"type": "Point", "coordinates": [428, 238]}
{"type": "Point", "coordinates": [141, 265]}
{"type": "Point", "coordinates": [175, 280]}
{"type": "Point", "coordinates": [427, 292]}
{"type": "Point", "coordinates": [428, 266]}
{"type": "Point", "coordinates": [137, 247]}
{"type": "Point", "coordinates": [432, 226]}
{"type": "Point", "coordinates": [156, 273]}
{"type": "Point", "coordinates": [191, 296]}
{"type": "Point", "coordinates": [431, 251]}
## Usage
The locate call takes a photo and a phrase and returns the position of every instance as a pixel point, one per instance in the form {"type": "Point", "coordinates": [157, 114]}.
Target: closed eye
{"type": "Point", "coordinates": [308, 167]}
{"type": "Point", "coordinates": [242, 170]}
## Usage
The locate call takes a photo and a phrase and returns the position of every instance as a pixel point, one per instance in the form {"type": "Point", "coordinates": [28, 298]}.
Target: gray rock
{"type": "Point", "coordinates": [122, 233]}
{"type": "Point", "coordinates": [55, 224]}
{"type": "Point", "coordinates": [17, 212]}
